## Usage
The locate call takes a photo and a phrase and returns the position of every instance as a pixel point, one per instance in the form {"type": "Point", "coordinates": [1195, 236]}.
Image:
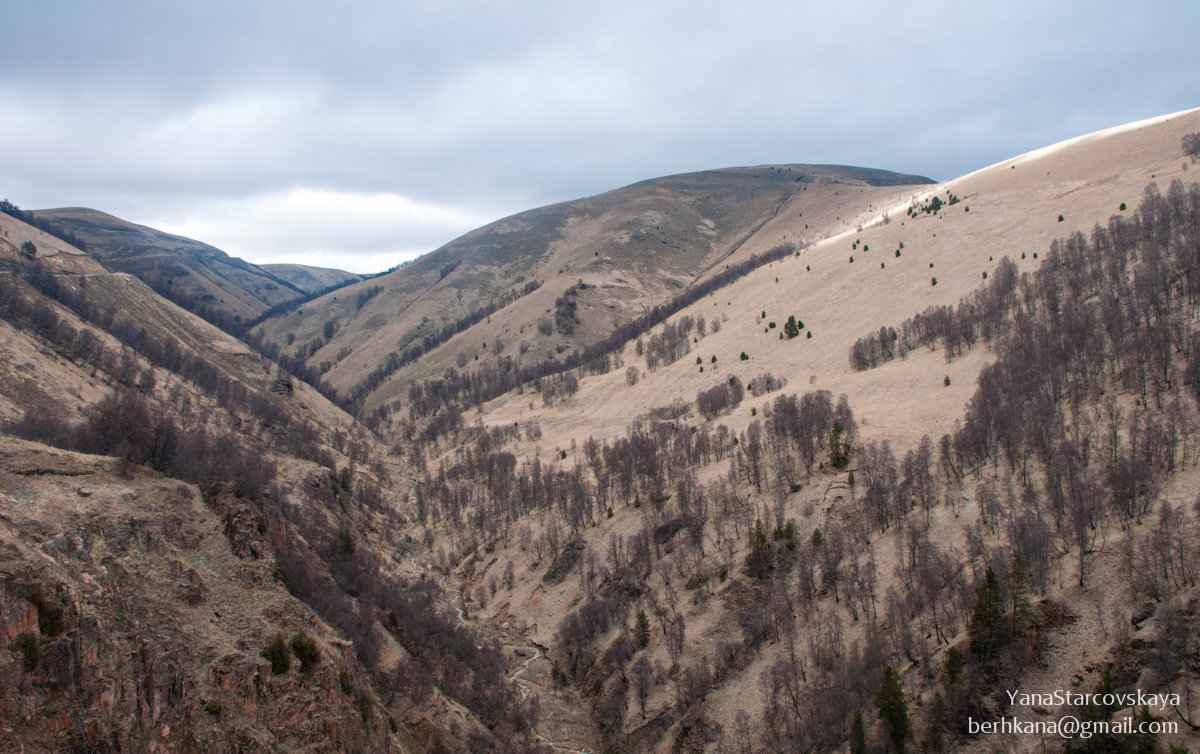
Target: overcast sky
{"type": "Point", "coordinates": [357, 135]}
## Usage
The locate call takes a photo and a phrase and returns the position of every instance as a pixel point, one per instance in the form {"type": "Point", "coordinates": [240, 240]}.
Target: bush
{"type": "Point", "coordinates": [364, 704]}
{"type": "Point", "coordinates": [276, 652]}
{"type": "Point", "coordinates": [306, 650]}
{"type": "Point", "coordinates": [27, 645]}
{"type": "Point", "coordinates": [43, 426]}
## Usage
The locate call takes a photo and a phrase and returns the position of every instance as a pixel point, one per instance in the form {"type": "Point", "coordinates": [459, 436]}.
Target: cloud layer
{"type": "Point", "coordinates": [358, 136]}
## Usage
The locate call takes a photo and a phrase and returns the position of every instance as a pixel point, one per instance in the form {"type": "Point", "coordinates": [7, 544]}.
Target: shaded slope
{"type": "Point", "coordinates": [223, 289]}
{"type": "Point", "coordinates": [159, 622]}
{"type": "Point", "coordinates": [96, 362]}
{"type": "Point", "coordinates": [632, 248]}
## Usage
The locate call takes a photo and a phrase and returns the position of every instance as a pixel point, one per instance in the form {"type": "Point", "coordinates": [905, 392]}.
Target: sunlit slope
{"type": "Point", "coordinates": [1008, 209]}
{"type": "Point", "coordinates": [632, 248]}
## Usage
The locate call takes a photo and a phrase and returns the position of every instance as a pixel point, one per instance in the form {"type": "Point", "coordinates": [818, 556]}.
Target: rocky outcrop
{"type": "Point", "coordinates": [129, 623]}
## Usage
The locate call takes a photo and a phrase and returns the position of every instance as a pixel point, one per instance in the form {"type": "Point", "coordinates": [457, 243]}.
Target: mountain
{"type": "Point", "coordinates": [709, 463]}
{"type": "Point", "coordinates": [132, 620]}
{"type": "Point", "coordinates": [597, 263]}
{"type": "Point", "coordinates": [695, 485]}
{"type": "Point", "coordinates": [311, 279]}
{"type": "Point", "coordinates": [238, 512]}
{"type": "Point", "coordinates": [201, 278]}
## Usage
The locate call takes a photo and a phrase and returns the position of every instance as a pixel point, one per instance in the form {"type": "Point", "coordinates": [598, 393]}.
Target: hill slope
{"type": "Point", "coordinates": [978, 436]}
{"type": "Point", "coordinates": [202, 278]}
{"type": "Point", "coordinates": [311, 279]}
{"type": "Point", "coordinates": [631, 249]}
{"type": "Point", "coordinates": [96, 362]}
{"type": "Point", "coordinates": [625, 497]}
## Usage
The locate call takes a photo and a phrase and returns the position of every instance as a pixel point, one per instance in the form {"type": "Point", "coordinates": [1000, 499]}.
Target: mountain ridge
{"type": "Point", "coordinates": [934, 403]}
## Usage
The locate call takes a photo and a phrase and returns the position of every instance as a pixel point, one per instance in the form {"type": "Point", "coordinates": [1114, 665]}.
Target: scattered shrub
{"type": "Point", "coordinates": [276, 652]}
{"type": "Point", "coordinates": [27, 646]}
{"type": "Point", "coordinates": [306, 650]}
{"type": "Point", "coordinates": [364, 704]}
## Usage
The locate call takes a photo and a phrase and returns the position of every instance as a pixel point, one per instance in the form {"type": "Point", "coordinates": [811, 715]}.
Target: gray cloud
{"type": "Point", "coordinates": [401, 125]}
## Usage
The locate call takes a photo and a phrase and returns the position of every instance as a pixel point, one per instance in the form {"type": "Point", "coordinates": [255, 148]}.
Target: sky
{"type": "Point", "coordinates": [358, 135]}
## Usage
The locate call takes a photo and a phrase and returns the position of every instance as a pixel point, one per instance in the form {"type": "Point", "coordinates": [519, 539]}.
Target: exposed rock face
{"type": "Point", "coordinates": [128, 623]}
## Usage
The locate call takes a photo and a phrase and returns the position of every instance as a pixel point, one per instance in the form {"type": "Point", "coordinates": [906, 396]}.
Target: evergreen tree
{"type": "Point", "coordinates": [986, 616]}
{"type": "Point", "coordinates": [893, 709]}
{"type": "Point", "coordinates": [952, 667]}
{"type": "Point", "coordinates": [759, 561]}
{"type": "Point", "coordinates": [791, 328]}
{"type": "Point", "coordinates": [758, 538]}
{"type": "Point", "coordinates": [643, 630]}
{"type": "Point", "coordinates": [839, 449]}
{"type": "Point", "coordinates": [858, 735]}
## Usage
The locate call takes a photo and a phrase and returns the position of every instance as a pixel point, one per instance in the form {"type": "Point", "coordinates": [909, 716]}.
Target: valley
{"type": "Point", "coordinates": [700, 464]}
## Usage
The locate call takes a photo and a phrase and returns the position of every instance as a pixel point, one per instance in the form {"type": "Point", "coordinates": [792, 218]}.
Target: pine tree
{"type": "Point", "coordinates": [952, 667]}
{"type": "Point", "coordinates": [893, 709]}
{"type": "Point", "coordinates": [643, 630]}
{"type": "Point", "coordinates": [791, 328]}
{"type": "Point", "coordinates": [758, 538]}
{"type": "Point", "coordinates": [986, 616]}
{"type": "Point", "coordinates": [839, 449]}
{"type": "Point", "coordinates": [858, 735]}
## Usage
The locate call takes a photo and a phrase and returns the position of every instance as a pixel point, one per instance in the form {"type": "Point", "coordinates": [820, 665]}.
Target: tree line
{"type": "Point", "coordinates": [475, 388]}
